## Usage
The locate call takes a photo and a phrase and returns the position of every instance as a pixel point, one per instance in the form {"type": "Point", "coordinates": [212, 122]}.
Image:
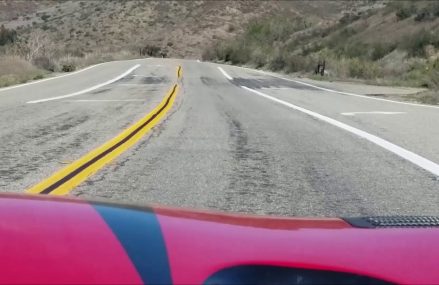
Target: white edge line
{"type": "Point", "coordinates": [406, 154]}
{"type": "Point", "coordinates": [106, 100]}
{"type": "Point", "coordinates": [88, 89]}
{"type": "Point", "coordinates": [338, 92]}
{"type": "Point", "coordinates": [64, 75]}
{"type": "Point", "coordinates": [225, 73]}
{"type": "Point", "coordinates": [50, 78]}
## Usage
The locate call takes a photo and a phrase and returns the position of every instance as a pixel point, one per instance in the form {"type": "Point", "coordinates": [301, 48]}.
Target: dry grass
{"type": "Point", "coordinates": [14, 70]}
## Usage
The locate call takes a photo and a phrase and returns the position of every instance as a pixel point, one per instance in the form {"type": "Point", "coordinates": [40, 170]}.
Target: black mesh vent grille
{"type": "Point", "coordinates": [394, 221]}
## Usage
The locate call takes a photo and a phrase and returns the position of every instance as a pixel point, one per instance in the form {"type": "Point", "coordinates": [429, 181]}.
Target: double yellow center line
{"type": "Point", "coordinates": [64, 180]}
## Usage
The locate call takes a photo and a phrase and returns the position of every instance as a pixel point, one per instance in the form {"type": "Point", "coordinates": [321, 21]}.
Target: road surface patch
{"type": "Point", "coordinates": [371, 113]}
{"type": "Point", "coordinates": [63, 181]}
{"type": "Point", "coordinates": [88, 89]}
{"type": "Point", "coordinates": [406, 154]}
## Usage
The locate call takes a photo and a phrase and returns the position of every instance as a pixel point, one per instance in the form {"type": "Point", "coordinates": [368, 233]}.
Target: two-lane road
{"type": "Point", "coordinates": [235, 140]}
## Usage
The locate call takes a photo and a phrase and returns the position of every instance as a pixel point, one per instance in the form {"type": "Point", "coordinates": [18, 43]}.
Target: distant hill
{"type": "Point", "coordinates": [181, 28]}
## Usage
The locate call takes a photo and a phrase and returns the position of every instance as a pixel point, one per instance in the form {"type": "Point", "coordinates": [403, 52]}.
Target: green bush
{"type": "Point", "coordinates": [68, 67]}
{"type": "Point", "coordinates": [7, 36]}
{"type": "Point", "coordinates": [277, 61]}
{"type": "Point", "coordinates": [44, 62]}
{"type": "Point", "coordinates": [258, 57]}
{"type": "Point", "coordinates": [355, 49]}
{"type": "Point", "coordinates": [45, 17]}
{"type": "Point", "coordinates": [297, 63]}
{"type": "Point", "coordinates": [349, 18]}
{"type": "Point", "coordinates": [404, 10]}
{"type": "Point", "coordinates": [415, 43]}
{"type": "Point", "coordinates": [379, 50]}
{"type": "Point", "coordinates": [363, 69]}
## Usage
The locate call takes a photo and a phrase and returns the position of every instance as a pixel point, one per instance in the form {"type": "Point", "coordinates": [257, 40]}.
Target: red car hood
{"type": "Point", "coordinates": [55, 240]}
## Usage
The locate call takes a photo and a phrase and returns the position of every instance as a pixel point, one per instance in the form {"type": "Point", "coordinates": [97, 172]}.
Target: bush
{"type": "Point", "coordinates": [354, 50]}
{"type": "Point", "coordinates": [68, 67]}
{"type": "Point", "coordinates": [150, 50]}
{"type": "Point", "coordinates": [45, 17]}
{"type": "Point", "coordinates": [7, 36]}
{"type": "Point", "coordinates": [277, 61]}
{"type": "Point", "coordinates": [259, 57]}
{"type": "Point", "coordinates": [363, 69]}
{"type": "Point", "coordinates": [404, 10]}
{"type": "Point", "coordinates": [349, 18]}
{"type": "Point", "coordinates": [44, 62]}
{"type": "Point", "coordinates": [416, 43]}
{"type": "Point", "coordinates": [380, 50]}
{"type": "Point", "coordinates": [297, 63]}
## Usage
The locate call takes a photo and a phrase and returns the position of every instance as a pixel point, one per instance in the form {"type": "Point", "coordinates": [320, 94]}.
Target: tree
{"type": "Point", "coordinates": [36, 45]}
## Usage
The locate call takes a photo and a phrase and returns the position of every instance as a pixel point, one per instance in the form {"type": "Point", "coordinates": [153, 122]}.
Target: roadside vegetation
{"type": "Point", "coordinates": [48, 36]}
{"type": "Point", "coordinates": [36, 56]}
{"type": "Point", "coordinates": [396, 44]}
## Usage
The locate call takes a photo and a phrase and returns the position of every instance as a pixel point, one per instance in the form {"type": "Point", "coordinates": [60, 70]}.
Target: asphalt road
{"type": "Point", "coordinates": [282, 148]}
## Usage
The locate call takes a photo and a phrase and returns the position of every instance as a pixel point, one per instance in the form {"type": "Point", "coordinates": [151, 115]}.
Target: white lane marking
{"type": "Point", "coordinates": [131, 84]}
{"type": "Point", "coordinates": [88, 89]}
{"type": "Point", "coordinates": [276, 88]}
{"type": "Point", "coordinates": [225, 73]}
{"type": "Point", "coordinates": [339, 92]}
{"type": "Point", "coordinates": [107, 100]}
{"type": "Point", "coordinates": [51, 78]}
{"type": "Point", "coordinates": [406, 154]}
{"type": "Point", "coordinates": [372, 112]}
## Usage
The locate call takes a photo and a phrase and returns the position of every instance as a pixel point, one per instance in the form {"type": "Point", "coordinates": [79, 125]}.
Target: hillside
{"type": "Point", "coordinates": [392, 42]}
{"type": "Point", "coordinates": [180, 28]}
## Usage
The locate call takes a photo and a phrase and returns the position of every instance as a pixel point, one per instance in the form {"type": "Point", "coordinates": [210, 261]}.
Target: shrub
{"type": "Point", "coordinates": [379, 50]}
{"type": "Point", "coordinates": [404, 10]}
{"type": "Point", "coordinates": [295, 63]}
{"type": "Point", "coordinates": [258, 57]}
{"type": "Point", "coordinates": [7, 36]}
{"type": "Point", "coordinates": [415, 43]}
{"type": "Point", "coordinates": [277, 61]}
{"type": "Point", "coordinates": [68, 67]}
{"type": "Point", "coordinates": [150, 50]}
{"type": "Point", "coordinates": [44, 62]}
{"type": "Point", "coordinates": [363, 69]}
{"type": "Point", "coordinates": [355, 49]}
{"type": "Point", "coordinates": [349, 18]}
{"type": "Point", "coordinates": [45, 17]}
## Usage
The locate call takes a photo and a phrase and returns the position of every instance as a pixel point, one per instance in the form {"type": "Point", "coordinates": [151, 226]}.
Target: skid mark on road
{"type": "Point", "coordinates": [250, 180]}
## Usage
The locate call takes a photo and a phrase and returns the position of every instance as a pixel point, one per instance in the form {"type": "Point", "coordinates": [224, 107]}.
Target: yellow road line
{"type": "Point", "coordinates": [179, 72]}
{"type": "Point", "coordinates": [64, 180]}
